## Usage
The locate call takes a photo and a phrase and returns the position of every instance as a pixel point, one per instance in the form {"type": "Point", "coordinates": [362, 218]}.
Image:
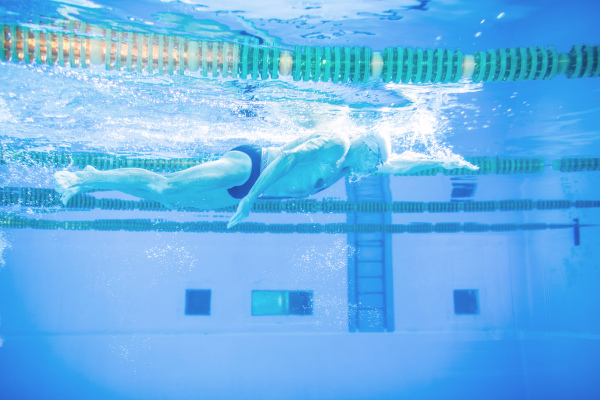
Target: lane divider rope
{"type": "Point", "coordinates": [118, 49]}
{"type": "Point", "coordinates": [148, 225]}
{"type": "Point", "coordinates": [39, 197]}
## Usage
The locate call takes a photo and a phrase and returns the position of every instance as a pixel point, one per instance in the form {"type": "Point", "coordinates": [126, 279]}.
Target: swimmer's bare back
{"type": "Point", "coordinates": [321, 160]}
{"type": "Point", "coordinates": [300, 169]}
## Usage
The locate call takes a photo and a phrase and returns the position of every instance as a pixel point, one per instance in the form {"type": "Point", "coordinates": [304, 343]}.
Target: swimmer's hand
{"type": "Point", "coordinates": [242, 212]}
{"type": "Point", "coordinates": [460, 164]}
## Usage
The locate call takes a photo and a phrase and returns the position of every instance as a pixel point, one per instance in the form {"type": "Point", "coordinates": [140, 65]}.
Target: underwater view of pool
{"type": "Point", "coordinates": [416, 280]}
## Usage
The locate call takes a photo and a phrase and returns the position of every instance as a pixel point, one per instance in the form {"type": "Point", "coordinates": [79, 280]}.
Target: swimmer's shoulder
{"type": "Point", "coordinates": [328, 146]}
{"type": "Point", "coordinates": [336, 142]}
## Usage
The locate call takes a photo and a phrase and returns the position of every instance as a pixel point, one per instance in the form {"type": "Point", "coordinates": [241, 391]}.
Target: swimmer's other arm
{"type": "Point", "coordinates": [410, 163]}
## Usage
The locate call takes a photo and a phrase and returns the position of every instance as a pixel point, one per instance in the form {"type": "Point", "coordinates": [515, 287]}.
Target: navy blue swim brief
{"type": "Point", "coordinates": [255, 153]}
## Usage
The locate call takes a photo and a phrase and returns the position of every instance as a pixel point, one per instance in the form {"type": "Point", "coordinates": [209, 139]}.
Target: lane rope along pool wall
{"type": "Point", "coordinates": [39, 197]}
{"type": "Point", "coordinates": [79, 44]}
{"type": "Point", "coordinates": [148, 225]}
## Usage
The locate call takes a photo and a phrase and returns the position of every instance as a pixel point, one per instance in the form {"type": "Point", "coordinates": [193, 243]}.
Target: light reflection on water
{"type": "Point", "coordinates": [172, 116]}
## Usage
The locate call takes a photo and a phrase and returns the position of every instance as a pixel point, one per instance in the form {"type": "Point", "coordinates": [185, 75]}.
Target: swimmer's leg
{"type": "Point", "coordinates": [232, 169]}
{"type": "Point", "coordinates": [134, 181]}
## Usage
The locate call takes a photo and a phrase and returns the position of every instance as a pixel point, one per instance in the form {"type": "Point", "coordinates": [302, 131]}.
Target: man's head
{"type": "Point", "coordinates": [379, 144]}
{"type": "Point", "coordinates": [373, 150]}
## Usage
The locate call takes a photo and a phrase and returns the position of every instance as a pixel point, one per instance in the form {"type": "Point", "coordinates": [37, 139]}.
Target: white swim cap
{"type": "Point", "coordinates": [380, 145]}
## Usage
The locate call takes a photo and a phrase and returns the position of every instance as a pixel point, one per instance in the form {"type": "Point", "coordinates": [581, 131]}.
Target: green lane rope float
{"type": "Point", "coordinates": [36, 197]}
{"type": "Point", "coordinates": [147, 225]}
{"type": "Point", "coordinates": [103, 162]}
{"type": "Point", "coordinates": [80, 45]}
{"type": "Point", "coordinates": [576, 164]}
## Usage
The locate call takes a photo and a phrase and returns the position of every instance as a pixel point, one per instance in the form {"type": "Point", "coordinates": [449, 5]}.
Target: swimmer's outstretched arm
{"type": "Point", "coordinates": [410, 163]}
{"type": "Point", "coordinates": [276, 170]}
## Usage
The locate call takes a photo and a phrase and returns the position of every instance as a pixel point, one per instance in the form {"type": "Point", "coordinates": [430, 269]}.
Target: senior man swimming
{"type": "Point", "coordinates": [299, 169]}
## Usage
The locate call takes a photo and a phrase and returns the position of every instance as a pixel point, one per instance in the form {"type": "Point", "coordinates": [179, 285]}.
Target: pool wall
{"type": "Point", "coordinates": [98, 314]}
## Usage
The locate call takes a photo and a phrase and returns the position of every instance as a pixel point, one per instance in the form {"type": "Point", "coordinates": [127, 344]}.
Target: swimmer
{"type": "Point", "coordinates": [246, 173]}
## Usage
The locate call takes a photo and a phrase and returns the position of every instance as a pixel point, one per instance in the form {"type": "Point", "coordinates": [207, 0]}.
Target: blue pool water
{"type": "Point", "coordinates": [444, 301]}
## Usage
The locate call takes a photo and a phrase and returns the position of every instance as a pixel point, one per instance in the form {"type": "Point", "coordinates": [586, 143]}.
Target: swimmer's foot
{"type": "Point", "coordinates": [68, 184]}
